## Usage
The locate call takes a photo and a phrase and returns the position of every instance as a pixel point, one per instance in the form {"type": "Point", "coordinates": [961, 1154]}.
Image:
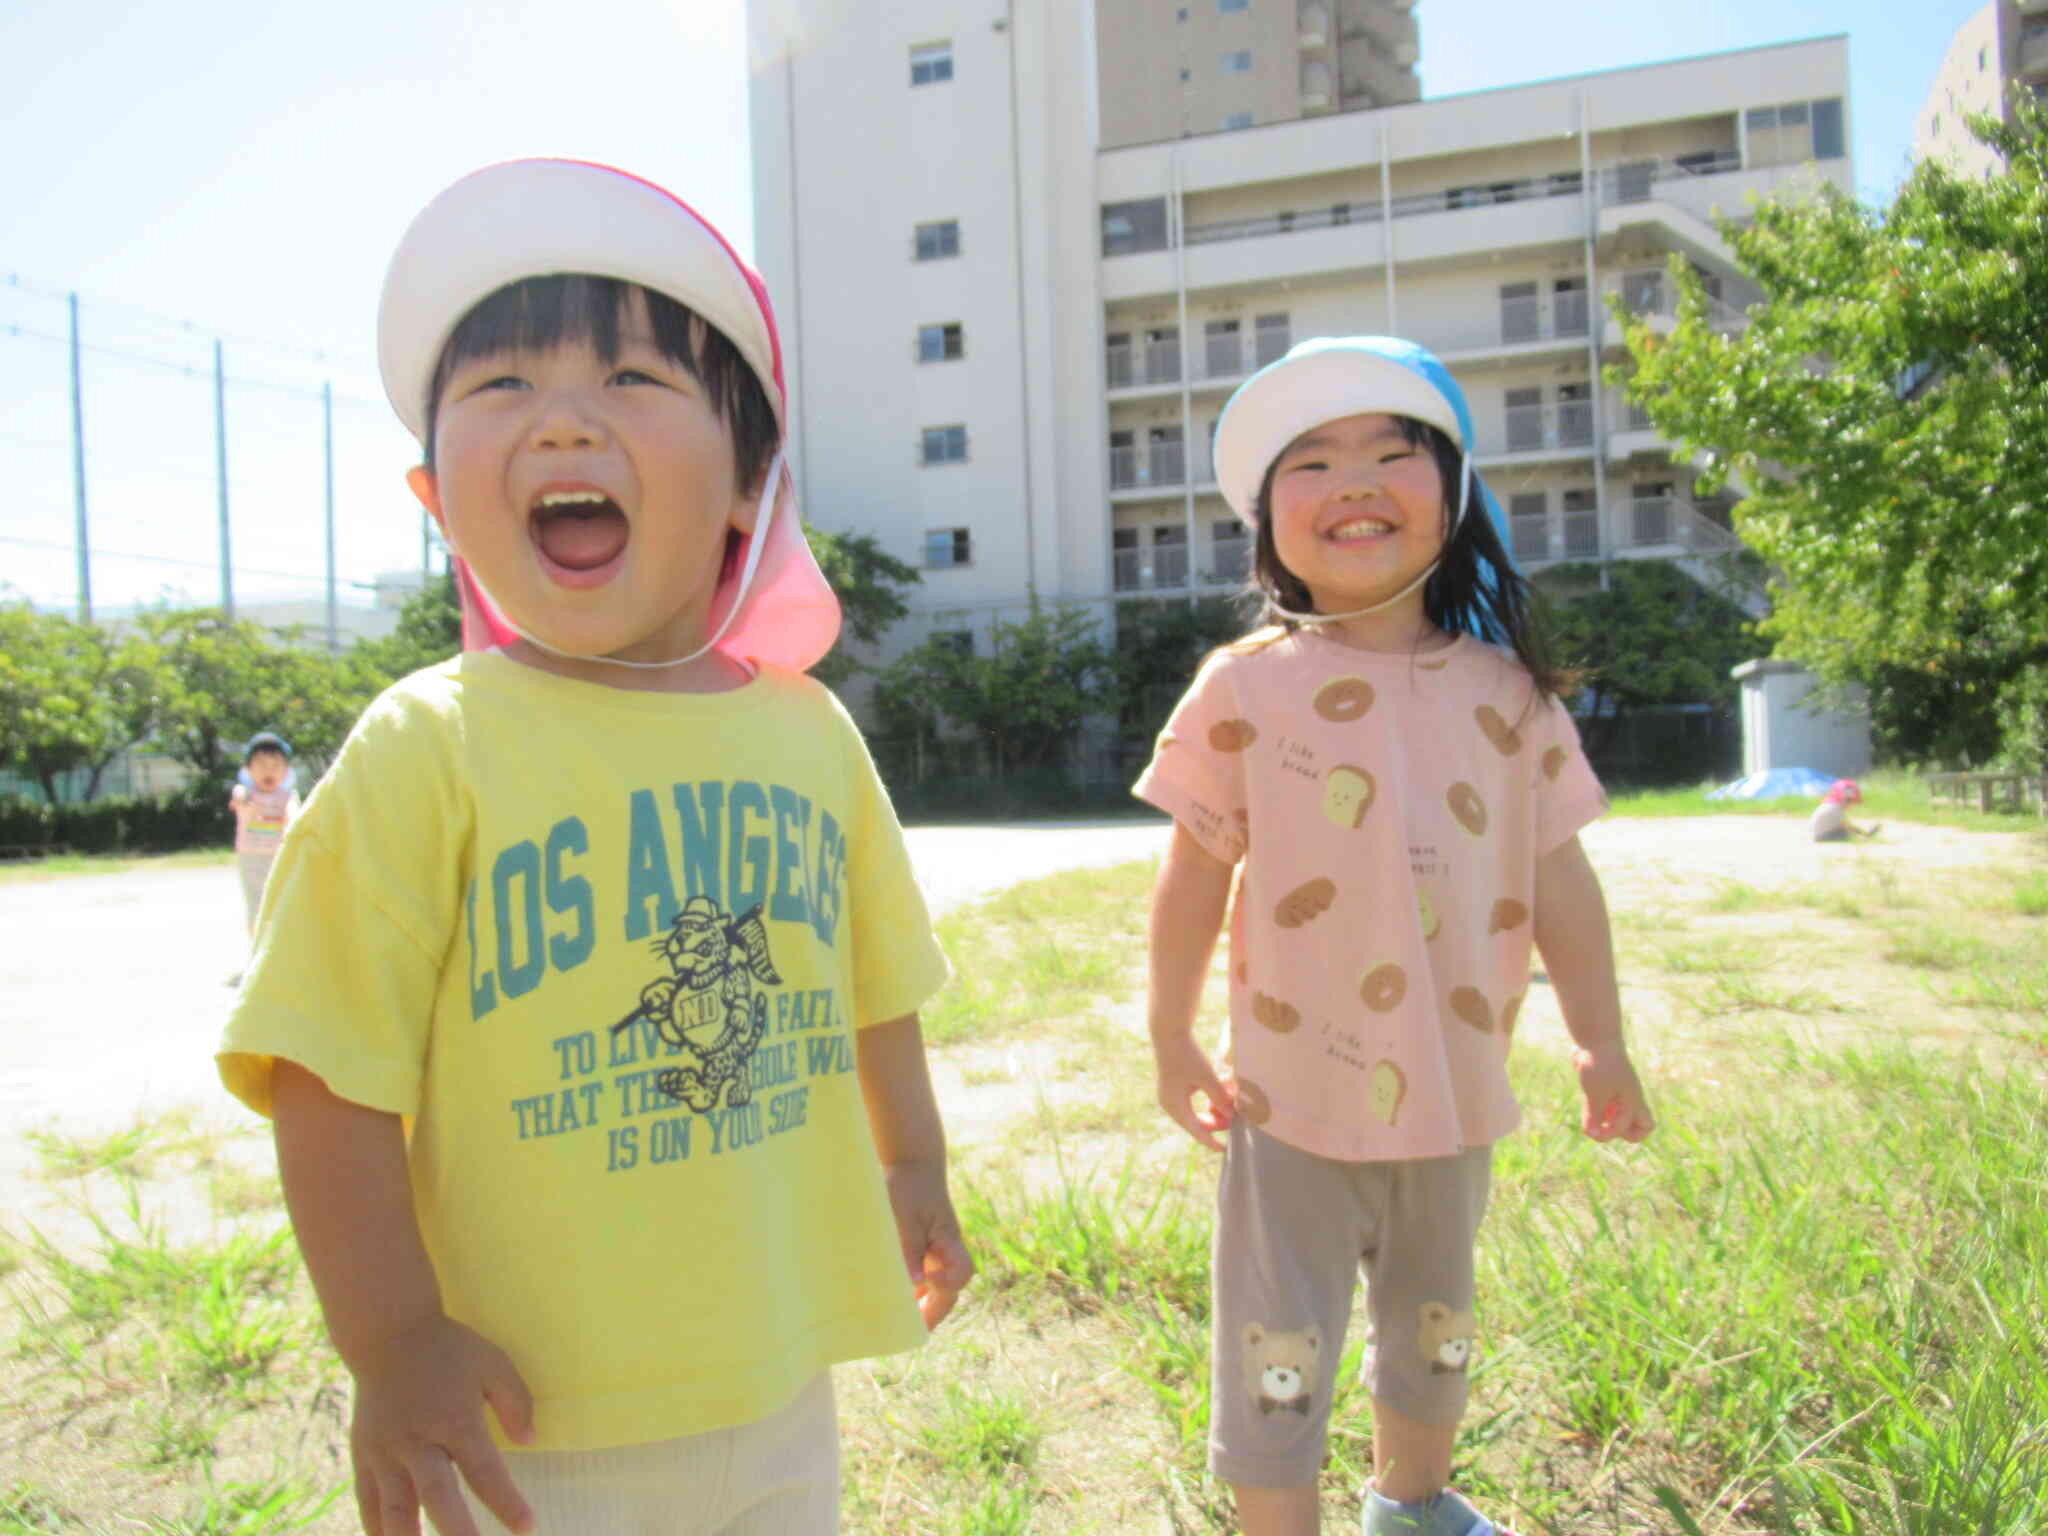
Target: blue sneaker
{"type": "Point", "coordinates": [1445, 1515]}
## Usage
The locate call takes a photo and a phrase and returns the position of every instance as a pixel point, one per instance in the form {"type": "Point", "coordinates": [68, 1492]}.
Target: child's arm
{"type": "Point", "coordinates": [903, 1117]}
{"type": "Point", "coordinates": [421, 1378]}
{"type": "Point", "coordinates": [1187, 913]}
{"type": "Point", "coordinates": [1578, 952]}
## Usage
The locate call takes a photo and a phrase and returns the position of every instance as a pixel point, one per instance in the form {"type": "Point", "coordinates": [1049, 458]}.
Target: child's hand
{"type": "Point", "coordinates": [419, 1424]}
{"type": "Point", "coordinates": [1184, 1071]}
{"type": "Point", "coordinates": [1615, 1104]}
{"type": "Point", "coordinates": [934, 1252]}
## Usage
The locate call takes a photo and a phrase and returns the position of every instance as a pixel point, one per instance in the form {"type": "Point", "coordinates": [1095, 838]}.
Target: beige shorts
{"type": "Point", "coordinates": [1293, 1232]}
{"type": "Point", "coordinates": [777, 1476]}
{"type": "Point", "coordinates": [255, 869]}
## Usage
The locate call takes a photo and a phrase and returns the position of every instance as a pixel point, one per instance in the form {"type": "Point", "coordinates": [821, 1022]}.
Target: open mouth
{"type": "Point", "coordinates": [581, 530]}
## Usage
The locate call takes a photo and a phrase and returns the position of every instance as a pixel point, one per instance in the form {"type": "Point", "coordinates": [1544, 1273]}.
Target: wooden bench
{"type": "Point", "coordinates": [1991, 791]}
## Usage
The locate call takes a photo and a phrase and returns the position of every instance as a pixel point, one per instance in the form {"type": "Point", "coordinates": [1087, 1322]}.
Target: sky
{"type": "Point", "coordinates": [239, 170]}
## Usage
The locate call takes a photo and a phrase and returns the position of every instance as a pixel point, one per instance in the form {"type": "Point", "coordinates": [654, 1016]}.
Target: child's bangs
{"type": "Point", "coordinates": [540, 313]}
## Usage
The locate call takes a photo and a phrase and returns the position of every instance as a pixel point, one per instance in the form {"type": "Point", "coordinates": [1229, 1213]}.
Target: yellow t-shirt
{"type": "Point", "coordinates": [606, 950]}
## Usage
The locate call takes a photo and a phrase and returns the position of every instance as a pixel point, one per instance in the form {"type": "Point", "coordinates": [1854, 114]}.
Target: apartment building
{"type": "Point", "coordinates": [2000, 51]}
{"type": "Point", "coordinates": [1009, 344]}
{"type": "Point", "coordinates": [1170, 70]}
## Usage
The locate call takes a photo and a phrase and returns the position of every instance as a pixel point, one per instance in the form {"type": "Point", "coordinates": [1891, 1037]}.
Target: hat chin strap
{"type": "Point", "coordinates": [1464, 493]}
{"type": "Point", "coordinates": [770, 497]}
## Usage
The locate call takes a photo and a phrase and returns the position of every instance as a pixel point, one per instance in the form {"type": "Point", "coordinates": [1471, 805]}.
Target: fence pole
{"type": "Point", "coordinates": [78, 472]}
{"type": "Point", "coordinates": [220, 461]}
{"type": "Point", "coordinates": [327, 463]}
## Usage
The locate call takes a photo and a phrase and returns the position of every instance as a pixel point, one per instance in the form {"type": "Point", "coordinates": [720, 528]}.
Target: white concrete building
{"type": "Point", "coordinates": [1997, 53]}
{"type": "Point", "coordinates": [1008, 344]}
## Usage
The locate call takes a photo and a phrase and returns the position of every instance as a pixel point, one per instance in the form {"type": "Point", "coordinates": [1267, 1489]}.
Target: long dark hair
{"type": "Point", "coordinates": [1495, 604]}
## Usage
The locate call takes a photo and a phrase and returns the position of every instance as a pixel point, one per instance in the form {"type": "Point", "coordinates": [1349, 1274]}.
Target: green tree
{"type": "Point", "coordinates": [429, 630]}
{"type": "Point", "coordinates": [72, 695]}
{"type": "Point", "coordinates": [1160, 643]}
{"type": "Point", "coordinates": [870, 583]}
{"type": "Point", "coordinates": [225, 680]}
{"type": "Point", "coordinates": [1886, 408]}
{"type": "Point", "coordinates": [1653, 637]}
{"type": "Point", "coordinates": [1043, 677]}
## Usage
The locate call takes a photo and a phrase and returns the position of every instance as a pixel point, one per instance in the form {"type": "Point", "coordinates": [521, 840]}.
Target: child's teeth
{"type": "Point", "coordinates": [570, 498]}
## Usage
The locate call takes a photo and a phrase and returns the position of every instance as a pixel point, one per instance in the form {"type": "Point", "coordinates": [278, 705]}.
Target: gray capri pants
{"type": "Point", "coordinates": [1293, 1231]}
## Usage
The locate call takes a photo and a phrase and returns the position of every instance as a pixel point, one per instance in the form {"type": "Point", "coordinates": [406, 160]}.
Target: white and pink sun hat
{"type": "Point", "coordinates": [537, 218]}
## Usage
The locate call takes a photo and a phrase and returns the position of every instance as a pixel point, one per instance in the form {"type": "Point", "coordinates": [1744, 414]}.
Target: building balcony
{"type": "Point", "coordinates": [1669, 527]}
{"type": "Point", "coordinates": [1523, 325]}
{"type": "Point", "coordinates": [1166, 568]}
{"type": "Point", "coordinates": [1535, 432]}
{"type": "Point", "coordinates": [1222, 362]}
{"type": "Point", "coordinates": [1648, 293]}
{"type": "Point", "coordinates": [1138, 471]}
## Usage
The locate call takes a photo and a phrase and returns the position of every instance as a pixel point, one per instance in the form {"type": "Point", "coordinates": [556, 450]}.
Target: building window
{"type": "Point", "coordinates": [931, 63]}
{"type": "Point", "coordinates": [1237, 120]}
{"type": "Point", "coordinates": [1529, 525]}
{"type": "Point", "coordinates": [959, 641]}
{"type": "Point", "coordinates": [939, 343]}
{"type": "Point", "coordinates": [944, 445]}
{"type": "Point", "coordinates": [1795, 132]}
{"type": "Point", "coordinates": [1230, 545]}
{"type": "Point", "coordinates": [1272, 336]}
{"type": "Point", "coordinates": [1238, 62]}
{"type": "Point", "coordinates": [945, 548]}
{"type": "Point", "coordinates": [938, 240]}
{"type": "Point", "coordinates": [1225, 7]}
{"type": "Point", "coordinates": [1131, 227]}
{"type": "Point", "coordinates": [1980, 60]}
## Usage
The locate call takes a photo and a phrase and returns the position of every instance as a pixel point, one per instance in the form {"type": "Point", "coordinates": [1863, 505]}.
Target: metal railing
{"type": "Point", "coordinates": [1633, 181]}
{"type": "Point", "coordinates": [1151, 362]}
{"type": "Point", "coordinates": [1166, 566]}
{"type": "Point", "coordinates": [1536, 428]}
{"type": "Point", "coordinates": [1649, 291]}
{"type": "Point", "coordinates": [1654, 521]}
{"type": "Point", "coordinates": [1578, 530]}
{"type": "Point", "coordinates": [1147, 466]}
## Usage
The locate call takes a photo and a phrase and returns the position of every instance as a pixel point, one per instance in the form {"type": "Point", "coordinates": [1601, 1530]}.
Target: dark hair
{"type": "Point", "coordinates": [1498, 608]}
{"type": "Point", "coordinates": [542, 312]}
{"type": "Point", "coordinates": [265, 741]}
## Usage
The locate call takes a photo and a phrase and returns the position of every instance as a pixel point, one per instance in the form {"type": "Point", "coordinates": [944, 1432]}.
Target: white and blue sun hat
{"type": "Point", "coordinates": [1328, 377]}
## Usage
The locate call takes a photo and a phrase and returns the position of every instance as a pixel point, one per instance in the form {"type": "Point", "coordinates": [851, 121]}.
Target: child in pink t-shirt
{"type": "Point", "coordinates": [1386, 779]}
{"type": "Point", "coordinates": [264, 801]}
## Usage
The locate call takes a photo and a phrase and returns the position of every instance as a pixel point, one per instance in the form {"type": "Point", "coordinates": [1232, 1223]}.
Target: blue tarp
{"type": "Point", "coordinates": [1775, 784]}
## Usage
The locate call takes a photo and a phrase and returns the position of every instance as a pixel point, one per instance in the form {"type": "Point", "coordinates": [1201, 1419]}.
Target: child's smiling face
{"type": "Point", "coordinates": [267, 769]}
{"type": "Point", "coordinates": [1358, 511]}
{"type": "Point", "coordinates": [591, 498]}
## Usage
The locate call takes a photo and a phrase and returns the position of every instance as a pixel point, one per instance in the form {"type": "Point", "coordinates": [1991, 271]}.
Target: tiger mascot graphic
{"type": "Point", "coordinates": [708, 1008]}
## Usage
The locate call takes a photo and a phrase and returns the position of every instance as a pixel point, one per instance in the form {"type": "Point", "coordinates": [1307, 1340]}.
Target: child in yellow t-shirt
{"type": "Point", "coordinates": [585, 997]}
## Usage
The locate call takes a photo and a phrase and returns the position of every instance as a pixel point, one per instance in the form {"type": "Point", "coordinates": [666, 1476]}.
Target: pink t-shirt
{"type": "Point", "coordinates": [1389, 810]}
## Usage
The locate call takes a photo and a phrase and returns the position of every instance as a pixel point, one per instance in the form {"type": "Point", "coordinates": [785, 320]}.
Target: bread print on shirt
{"type": "Point", "coordinates": [1466, 805]}
{"type": "Point", "coordinates": [1344, 699]}
{"type": "Point", "coordinates": [1278, 1016]}
{"type": "Point", "coordinates": [1553, 762]}
{"type": "Point", "coordinates": [1306, 902]}
{"type": "Point", "coordinates": [1383, 987]}
{"type": "Point", "coordinates": [1389, 1088]}
{"type": "Point", "coordinates": [1507, 913]}
{"type": "Point", "coordinates": [1232, 735]}
{"type": "Point", "coordinates": [1347, 795]}
{"type": "Point", "coordinates": [1469, 1004]}
{"type": "Point", "coordinates": [1505, 738]}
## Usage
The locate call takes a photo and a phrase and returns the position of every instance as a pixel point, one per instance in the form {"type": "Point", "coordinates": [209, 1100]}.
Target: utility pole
{"type": "Point", "coordinates": [78, 473]}
{"type": "Point", "coordinates": [220, 461]}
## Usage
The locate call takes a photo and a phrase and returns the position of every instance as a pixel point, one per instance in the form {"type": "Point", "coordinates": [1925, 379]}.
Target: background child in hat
{"type": "Point", "coordinates": [1389, 763]}
{"type": "Point", "coordinates": [1830, 821]}
{"type": "Point", "coordinates": [593, 1052]}
{"type": "Point", "coordinates": [264, 802]}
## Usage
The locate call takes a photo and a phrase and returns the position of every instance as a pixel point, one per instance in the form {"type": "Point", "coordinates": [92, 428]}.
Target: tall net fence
{"type": "Point", "coordinates": [165, 431]}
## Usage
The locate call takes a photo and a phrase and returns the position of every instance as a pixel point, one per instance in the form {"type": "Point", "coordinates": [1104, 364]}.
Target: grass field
{"type": "Point", "coordinates": [1812, 1304]}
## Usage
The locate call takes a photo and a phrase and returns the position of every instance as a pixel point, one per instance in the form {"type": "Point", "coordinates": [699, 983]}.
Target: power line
{"type": "Point", "coordinates": [189, 370]}
{"type": "Point", "coordinates": [356, 361]}
{"type": "Point", "coordinates": [197, 565]}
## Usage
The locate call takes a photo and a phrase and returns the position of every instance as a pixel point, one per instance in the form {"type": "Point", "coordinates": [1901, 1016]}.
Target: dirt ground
{"type": "Point", "coordinates": [113, 988]}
